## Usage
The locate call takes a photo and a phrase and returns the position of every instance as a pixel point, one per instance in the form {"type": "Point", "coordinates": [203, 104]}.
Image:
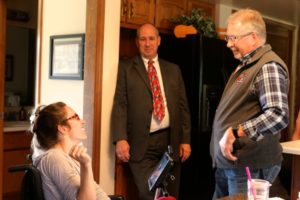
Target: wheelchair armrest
{"type": "Point", "coordinates": [18, 168]}
{"type": "Point", "coordinates": [116, 197]}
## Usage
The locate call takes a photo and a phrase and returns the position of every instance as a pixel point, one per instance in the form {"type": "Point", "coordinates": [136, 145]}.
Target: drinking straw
{"type": "Point", "coordinates": [251, 183]}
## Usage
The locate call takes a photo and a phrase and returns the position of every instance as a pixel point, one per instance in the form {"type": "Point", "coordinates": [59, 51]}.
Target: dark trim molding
{"type": "Point", "coordinates": [39, 46]}
{"type": "Point", "coordinates": [93, 77]}
{"type": "Point", "coordinates": [2, 61]}
{"type": "Point", "coordinates": [297, 82]}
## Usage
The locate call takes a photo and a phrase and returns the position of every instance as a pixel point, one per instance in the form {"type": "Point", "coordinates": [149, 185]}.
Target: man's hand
{"type": "Point", "coordinates": [184, 151]}
{"type": "Point", "coordinates": [122, 150]}
{"type": "Point", "coordinates": [226, 144]}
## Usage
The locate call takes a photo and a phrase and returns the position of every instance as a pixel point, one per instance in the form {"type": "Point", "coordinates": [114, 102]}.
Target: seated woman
{"type": "Point", "coordinates": [296, 134]}
{"type": "Point", "coordinates": [65, 166]}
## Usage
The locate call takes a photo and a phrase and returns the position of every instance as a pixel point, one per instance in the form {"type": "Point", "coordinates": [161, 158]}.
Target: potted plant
{"type": "Point", "coordinates": [204, 25]}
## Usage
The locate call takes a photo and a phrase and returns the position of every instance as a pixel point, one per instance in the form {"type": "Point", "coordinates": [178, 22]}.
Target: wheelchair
{"type": "Point", "coordinates": [31, 188]}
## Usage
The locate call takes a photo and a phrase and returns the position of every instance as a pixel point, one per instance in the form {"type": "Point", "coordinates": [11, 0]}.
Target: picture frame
{"type": "Point", "coordinates": [9, 67]}
{"type": "Point", "coordinates": [67, 56]}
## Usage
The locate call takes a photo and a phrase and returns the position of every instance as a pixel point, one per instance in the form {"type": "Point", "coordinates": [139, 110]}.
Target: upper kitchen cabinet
{"type": "Point", "coordinates": [22, 13]}
{"type": "Point", "coordinates": [159, 12]}
{"type": "Point", "coordinates": [166, 10]}
{"type": "Point", "coordinates": [208, 8]}
{"type": "Point", "coordinates": [137, 12]}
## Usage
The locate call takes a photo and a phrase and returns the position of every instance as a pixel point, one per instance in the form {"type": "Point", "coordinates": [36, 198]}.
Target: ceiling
{"type": "Point", "coordinates": [283, 10]}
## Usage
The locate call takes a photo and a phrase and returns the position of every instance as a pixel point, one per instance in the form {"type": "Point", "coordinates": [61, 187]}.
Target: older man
{"type": "Point", "coordinates": [253, 108]}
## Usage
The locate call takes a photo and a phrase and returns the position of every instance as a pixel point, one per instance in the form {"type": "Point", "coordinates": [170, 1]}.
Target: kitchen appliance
{"type": "Point", "coordinates": [206, 65]}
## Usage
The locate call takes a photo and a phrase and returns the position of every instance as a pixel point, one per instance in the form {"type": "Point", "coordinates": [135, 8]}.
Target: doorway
{"type": "Point", "coordinates": [17, 60]}
{"type": "Point", "coordinates": [2, 62]}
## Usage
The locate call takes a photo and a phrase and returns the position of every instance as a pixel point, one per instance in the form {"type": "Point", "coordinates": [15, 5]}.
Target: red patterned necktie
{"type": "Point", "coordinates": [158, 102]}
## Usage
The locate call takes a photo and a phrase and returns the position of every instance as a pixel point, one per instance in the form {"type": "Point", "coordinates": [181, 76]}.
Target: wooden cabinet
{"type": "Point", "coordinates": [137, 12]}
{"type": "Point", "coordinates": [127, 48]}
{"type": "Point", "coordinates": [16, 147]}
{"type": "Point", "coordinates": [166, 10]}
{"type": "Point", "coordinates": [159, 12]}
{"type": "Point", "coordinates": [125, 185]}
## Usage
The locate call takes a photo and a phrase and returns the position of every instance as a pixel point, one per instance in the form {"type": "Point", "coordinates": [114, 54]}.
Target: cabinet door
{"type": "Point", "coordinates": [16, 147]}
{"type": "Point", "coordinates": [208, 8]}
{"type": "Point", "coordinates": [137, 11]}
{"type": "Point", "coordinates": [166, 10]}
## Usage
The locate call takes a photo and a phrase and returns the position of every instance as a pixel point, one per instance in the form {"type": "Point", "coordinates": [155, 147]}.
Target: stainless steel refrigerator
{"type": "Point", "coordinates": [206, 65]}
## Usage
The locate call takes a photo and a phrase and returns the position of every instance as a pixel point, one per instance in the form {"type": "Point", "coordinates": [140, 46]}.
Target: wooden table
{"type": "Point", "coordinates": [235, 197]}
{"type": "Point", "coordinates": [293, 147]}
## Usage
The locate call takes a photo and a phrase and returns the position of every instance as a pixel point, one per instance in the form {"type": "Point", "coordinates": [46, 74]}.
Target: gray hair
{"type": "Point", "coordinates": [251, 20]}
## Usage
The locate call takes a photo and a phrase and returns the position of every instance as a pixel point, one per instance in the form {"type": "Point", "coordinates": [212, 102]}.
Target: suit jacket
{"type": "Point", "coordinates": [132, 108]}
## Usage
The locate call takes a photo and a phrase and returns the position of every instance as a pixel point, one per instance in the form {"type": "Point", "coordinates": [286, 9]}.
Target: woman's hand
{"type": "Point", "coordinates": [87, 188]}
{"type": "Point", "coordinates": [79, 153]}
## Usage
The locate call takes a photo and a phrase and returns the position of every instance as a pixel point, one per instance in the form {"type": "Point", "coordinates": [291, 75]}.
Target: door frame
{"type": "Point", "coordinates": [93, 68]}
{"type": "Point", "coordinates": [2, 63]}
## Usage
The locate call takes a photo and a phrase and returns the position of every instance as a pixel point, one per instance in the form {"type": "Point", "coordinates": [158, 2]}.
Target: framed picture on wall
{"type": "Point", "coordinates": [9, 67]}
{"type": "Point", "coordinates": [67, 56]}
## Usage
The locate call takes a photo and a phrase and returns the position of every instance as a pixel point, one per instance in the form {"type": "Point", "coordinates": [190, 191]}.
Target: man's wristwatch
{"type": "Point", "coordinates": [235, 132]}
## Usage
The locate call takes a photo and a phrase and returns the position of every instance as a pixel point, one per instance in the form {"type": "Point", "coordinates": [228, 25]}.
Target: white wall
{"type": "Point", "coordinates": [68, 17]}
{"type": "Point", "coordinates": [59, 18]}
{"type": "Point", "coordinates": [110, 69]}
{"type": "Point", "coordinates": [225, 11]}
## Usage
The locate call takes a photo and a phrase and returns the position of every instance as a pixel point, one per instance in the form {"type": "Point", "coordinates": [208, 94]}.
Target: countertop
{"type": "Point", "coordinates": [11, 126]}
{"type": "Point", "coordinates": [291, 147]}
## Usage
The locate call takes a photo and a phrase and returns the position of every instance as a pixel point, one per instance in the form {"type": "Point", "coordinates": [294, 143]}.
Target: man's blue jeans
{"type": "Point", "coordinates": [233, 181]}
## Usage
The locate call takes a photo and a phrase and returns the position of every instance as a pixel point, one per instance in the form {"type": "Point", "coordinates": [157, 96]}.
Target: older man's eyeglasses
{"type": "Point", "coordinates": [234, 38]}
{"type": "Point", "coordinates": [75, 116]}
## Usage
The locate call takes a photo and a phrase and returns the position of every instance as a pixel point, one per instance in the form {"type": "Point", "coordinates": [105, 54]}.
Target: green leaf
{"type": "Point", "coordinates": [204, 25]}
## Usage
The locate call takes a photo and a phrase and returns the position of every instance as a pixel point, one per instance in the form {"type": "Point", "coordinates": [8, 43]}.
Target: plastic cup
{"type": "Point", "coordinates": [260, 189]}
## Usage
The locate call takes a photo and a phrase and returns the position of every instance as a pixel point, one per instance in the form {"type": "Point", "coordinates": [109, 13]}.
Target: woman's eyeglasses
{"type": "Point", "coordinates": [75, 116]}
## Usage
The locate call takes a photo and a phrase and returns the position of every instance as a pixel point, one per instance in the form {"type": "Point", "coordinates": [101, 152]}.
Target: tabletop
{"type": "Point", "coordinates": [291, 147]}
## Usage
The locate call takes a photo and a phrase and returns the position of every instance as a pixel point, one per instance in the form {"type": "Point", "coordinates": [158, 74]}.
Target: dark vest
{"type": "Point", "coordinates": [238, 104]}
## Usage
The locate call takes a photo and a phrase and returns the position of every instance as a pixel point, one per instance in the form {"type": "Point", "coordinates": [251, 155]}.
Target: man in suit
{"type": "Point", "coordinates": [149, 116]}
